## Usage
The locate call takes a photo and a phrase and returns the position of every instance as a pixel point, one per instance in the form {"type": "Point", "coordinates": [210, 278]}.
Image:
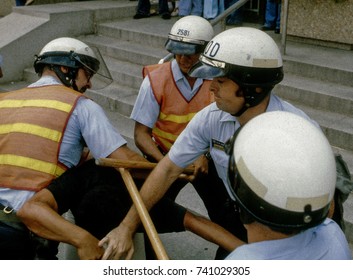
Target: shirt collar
{"type": "Point", "coordinates": [46, 81]}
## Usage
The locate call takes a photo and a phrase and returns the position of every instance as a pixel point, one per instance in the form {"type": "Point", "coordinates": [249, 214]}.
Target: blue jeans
{"type": "Point", "coordinates": [273, 14]}
{"type": "Point", "coordinates": [144, 6]}
{"type": "Point", "coordinates": [190, 7]}
{"type": "Point", "coordinates": [212, 8]}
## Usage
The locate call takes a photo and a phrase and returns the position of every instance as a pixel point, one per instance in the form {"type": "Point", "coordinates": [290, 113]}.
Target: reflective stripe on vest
{"type": "Point", "coordinates": [32, 124]}
{"type": "Point", "coordinates": [175, 111]}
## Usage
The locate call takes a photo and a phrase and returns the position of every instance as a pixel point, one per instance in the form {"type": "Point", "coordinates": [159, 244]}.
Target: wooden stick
{"type": "Point", "coordinates": [130, 164]}
{"type": "Point", "coordinates": [144, 215]}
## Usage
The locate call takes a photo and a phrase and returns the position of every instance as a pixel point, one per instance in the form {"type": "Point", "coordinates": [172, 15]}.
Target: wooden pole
{"type": "Point", "coordinates": [144, 215]}
{"type": "Point", "coordinates": [130, 164]}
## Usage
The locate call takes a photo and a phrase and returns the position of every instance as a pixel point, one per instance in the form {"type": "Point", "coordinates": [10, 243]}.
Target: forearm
{"type": "Point", "coordinates": [145, 143]}
{"type": "Point", "coordinates": [125, 153]}
{"type": "Point", "coordinates": [47, 223]}
{"type": "Point", "coordinates": [211, 231]}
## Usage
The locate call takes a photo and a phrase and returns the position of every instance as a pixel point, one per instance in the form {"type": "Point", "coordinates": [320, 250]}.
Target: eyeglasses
{"type": "Point", "coordinates": [89, 74]}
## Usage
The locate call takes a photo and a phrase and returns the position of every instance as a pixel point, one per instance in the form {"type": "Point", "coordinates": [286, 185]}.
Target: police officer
{"type": "Point", "coordinates": [44, 129]}
{"type": "Point", "coordinates": [169, 98]}
{"type": "Point", "coordinates": [283, 184]}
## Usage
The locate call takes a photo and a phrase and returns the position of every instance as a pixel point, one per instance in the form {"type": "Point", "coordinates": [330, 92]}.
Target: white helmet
{"type": "Point", "coordinates": [73, 54]}
{"type": "Point", "coordinates": [68, 52]}
{"type": "Point", "coordinates": [282, 171]}
{"type": "Point", "coordinates": [246, 55]}
{"type": "Point", "coordinates": [189, 35]}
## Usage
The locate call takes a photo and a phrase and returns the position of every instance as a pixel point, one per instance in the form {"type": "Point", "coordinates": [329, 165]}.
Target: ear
{"type": "Point", "coordinates": [64, 69]}
{"type": "Point", "coordinates": [258, 90]}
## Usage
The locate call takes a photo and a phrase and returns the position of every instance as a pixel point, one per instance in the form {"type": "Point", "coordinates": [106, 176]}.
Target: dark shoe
{"type": "Point", "coordinates": [277, 31]}
{"type": "Point", "coordinates": [166, 16]}
{"type": "Point", "coordinates": [266, 28]}
{"type": "Point", "coordinates": [138, 16]}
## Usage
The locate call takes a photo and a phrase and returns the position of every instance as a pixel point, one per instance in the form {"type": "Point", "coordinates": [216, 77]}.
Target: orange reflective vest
{"type": "Point", "coordinates": [175, 110]}
{"type": "Point", "coordinates": [32, 124]}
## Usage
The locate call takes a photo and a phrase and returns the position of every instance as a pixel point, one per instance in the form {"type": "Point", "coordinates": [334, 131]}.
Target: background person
{"type": "Point", "coordinates": [144, 6]}
{"type": "Point", "coordinates": [273, 16]}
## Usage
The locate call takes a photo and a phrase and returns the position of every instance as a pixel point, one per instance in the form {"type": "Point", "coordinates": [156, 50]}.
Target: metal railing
{"type": "Point", "coordinates": [227, 12]}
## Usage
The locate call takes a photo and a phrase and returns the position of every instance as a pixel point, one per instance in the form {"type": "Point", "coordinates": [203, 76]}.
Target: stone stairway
{"type": "Point", "coordinates": [317, 79]}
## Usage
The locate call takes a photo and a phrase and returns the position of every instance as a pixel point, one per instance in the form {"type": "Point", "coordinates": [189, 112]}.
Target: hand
{"type": "Point", "coordinates": [88, 249]}
{"type": "Point", "coordinates": [200, 166]}
{"type": "Point", "coordinates": [117, 243]}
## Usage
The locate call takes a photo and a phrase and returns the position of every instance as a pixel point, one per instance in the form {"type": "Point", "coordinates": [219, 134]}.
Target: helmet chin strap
{"type": "Point", "coordinates": [252, 97]}
{"type": "Point", "coordinates": [68, 79]}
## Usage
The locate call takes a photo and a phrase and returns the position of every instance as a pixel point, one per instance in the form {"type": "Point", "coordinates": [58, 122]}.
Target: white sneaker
{"type": "Point", "coordinates": [29, 2]}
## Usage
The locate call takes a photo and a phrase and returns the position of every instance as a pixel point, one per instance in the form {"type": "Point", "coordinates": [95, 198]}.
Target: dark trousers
{"type": "Point", "coordinates": [103, 202]}
{"type": "Point", "coordinates": [18, 243]}
{"type": "Point", "coordinates": [15, 244]}
{"type": "Point", "coordinates": [144, 6]}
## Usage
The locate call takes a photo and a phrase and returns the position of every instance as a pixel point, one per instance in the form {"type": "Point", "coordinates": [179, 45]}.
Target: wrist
{"type": "Point", "coordinates": [208, 155]}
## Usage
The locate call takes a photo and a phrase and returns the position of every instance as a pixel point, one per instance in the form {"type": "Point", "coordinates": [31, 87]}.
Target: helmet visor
{"type": "Point", "coordinates": [208, 69]}
{"type": "Point", "coordinates": [101, 76]}
{"type": "Point", "coordinates": [182, 45]}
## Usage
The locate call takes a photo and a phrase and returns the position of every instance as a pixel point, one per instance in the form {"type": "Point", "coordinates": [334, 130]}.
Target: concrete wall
{"type": "Point", "coordinates": [6, 7]}
{"type": "Point", "coordinates": [26, 30]}
{"type": "Point", "coordinates": [329, 22]}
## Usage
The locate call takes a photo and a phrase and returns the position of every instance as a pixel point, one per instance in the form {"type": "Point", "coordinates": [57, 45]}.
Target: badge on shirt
{"type": "Point", "coordinates": [217, 145]}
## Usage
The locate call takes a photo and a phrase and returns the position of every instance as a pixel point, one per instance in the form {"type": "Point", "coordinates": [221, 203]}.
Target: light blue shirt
{"type": "Point", "coordinates": [146, 109]}
{"type": "Point", "coordinates": [88, 125]}
{"type": "Point", "coordinates": [210, 129]}
{"type": "Point", "coordinates": [323, 242]}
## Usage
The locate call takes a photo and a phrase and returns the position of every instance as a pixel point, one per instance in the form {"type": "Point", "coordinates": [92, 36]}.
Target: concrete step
{"type": "Point", "coordinates": [115, 97]}
{"type": "Point", "coordinates": [125, 126]}
{"type": "Point", "coordinates": [126, 50]}
{"type": "Point", "coordinates": [321, 63]}
{"type": "Point", "coordinates": [315, 93]}
{"type": "Point", "coordinates": [337, 127]}
{"type": "Point", "coordinates": [146, 31]}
